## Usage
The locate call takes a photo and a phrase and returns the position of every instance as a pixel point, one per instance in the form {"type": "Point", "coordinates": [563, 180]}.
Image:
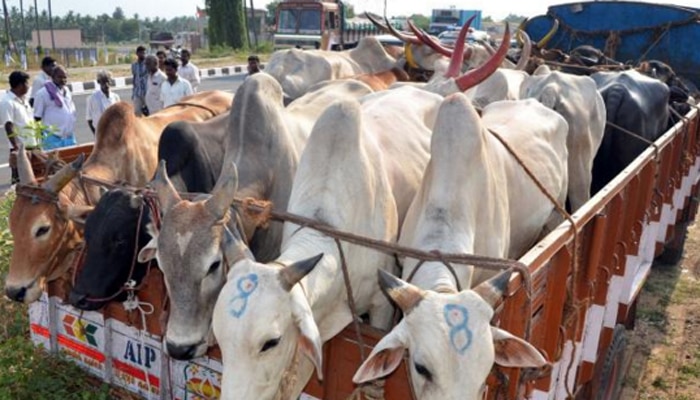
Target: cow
{"type": "Point", "coordinates": [362, 165]}
{"type": "Point", "coordinates": [124, 151]}
{"type": "Point", "coordinates": [297, 70]}
{"type": "Point", "coordinates": [636, 103]}
{"type": "Point", "coordinates": [576, 98]}
{"type": "Point", "coordinates": [266, 142]}
{"type": "Point", "coordinates": [475, 198]}
{"type": "Point", "coordinates": [117, 226]}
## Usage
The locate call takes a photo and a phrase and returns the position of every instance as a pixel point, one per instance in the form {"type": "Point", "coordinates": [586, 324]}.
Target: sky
{"type": "Point", "coordinates": [174, 8]}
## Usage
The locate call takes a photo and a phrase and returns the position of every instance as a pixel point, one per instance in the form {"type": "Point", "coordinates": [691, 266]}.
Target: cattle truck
{"type": "Point", "coordinates": [303, 23]}
{"type": "Point", "coordinates": [452, 18]}
{"type": "Point", "coordinates": [583, 281]}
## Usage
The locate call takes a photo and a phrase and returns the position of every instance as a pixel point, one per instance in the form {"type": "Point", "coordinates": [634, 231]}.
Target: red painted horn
{"type": "Point", "coordinates": [478, 75]}
{"type": "Point", "coordinates": [458, 55]}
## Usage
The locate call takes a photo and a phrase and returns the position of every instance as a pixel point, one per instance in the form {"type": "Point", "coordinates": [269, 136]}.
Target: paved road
{"type": "Point", "coordinates": [83, 133]}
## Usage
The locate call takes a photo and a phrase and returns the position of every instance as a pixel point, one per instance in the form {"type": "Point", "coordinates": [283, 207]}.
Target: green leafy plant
{"type": "Point", "coordinates": [36, 130]}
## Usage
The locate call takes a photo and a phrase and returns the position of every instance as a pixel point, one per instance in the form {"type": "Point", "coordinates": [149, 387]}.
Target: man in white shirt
{"type": "Point", "coordinates": [15, 115]}
{"type": "Point", "coordinates": [156, 77]}
{"type": "Point", "coordinates": [47, 66]}
{"type": "Point", "coordinates": [173, 88]}
{"type": "Point", "coordinates": [100, 100]}
{"type": "Point", "coordinates": [54, 106]}
{"type": "Point", "coordinates": [188, 70]}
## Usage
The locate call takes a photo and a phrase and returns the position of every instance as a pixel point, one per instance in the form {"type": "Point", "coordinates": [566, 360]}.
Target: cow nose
{"type": "Point", "coordinates": [78, 300]}
{"type": "Point", "coordinates": [178, 352]}
{"type": "Point", "coordinates": [16, 294]}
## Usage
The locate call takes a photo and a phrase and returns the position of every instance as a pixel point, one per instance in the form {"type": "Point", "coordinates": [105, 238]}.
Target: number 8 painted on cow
{"type": "Point", "coordinates": [457, 318]}
{"type": "Point", "coordinates": [246, 286]}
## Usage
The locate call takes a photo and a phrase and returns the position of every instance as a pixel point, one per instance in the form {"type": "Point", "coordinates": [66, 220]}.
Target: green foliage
{"type": "Point", "coordinates": [271, 8]}
{"type": "Point", "coordinates": [227, 25]}
{"type": "Point", "coordinates": [349, 11]}
{"type": "Point", "coordinates": [420, 21]}
{"type": "Point", "coordinates": [513, 18]}
{"type": "Point", "coordinates": [487, 19]}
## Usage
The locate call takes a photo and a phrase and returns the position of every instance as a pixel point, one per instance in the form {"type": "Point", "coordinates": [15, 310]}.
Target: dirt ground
{"type": "Point", "coordinates": [664, 349]}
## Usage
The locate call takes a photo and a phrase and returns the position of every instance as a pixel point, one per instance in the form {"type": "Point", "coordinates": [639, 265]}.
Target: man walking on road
{"type": "Point", "coordinates": [98, 102]}
{"type": "Point", "coordinates": [156, 77]}
{"type": "Point", "coordinates": [140, 75]}
{"type": "Point", "coordinates": [54, 107]}
{"type": "Point", "coordinates": [174, 88]}
{"type": "Point", "coordinates": [47, 66]}
{"type": "Point", "coordinates": [188, 70]}
{"type": "Point", "coordinates": [15, 115]}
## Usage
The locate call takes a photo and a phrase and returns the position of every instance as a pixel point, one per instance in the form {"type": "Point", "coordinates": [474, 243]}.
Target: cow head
{"type": "Point", "coordinates": [450, 341]}
{"type": "Point", "coordinates": [190, 251]}
{"type": "Point", "coordinates": [262, 320]}
{"type": "Point", "coordinates": [110, 237]}
{"type": "Point", "coordinates": [41, 229]}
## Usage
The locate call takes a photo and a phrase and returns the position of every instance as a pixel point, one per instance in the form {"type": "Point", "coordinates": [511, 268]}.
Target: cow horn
{"type": "Point", "coordinates": [543, 42]}
{"type": "Point", "coordinates": [478, 75]}
{"type": "Point", "coordinates": [458, 55]}
{"type": "Point", "coordinates": [167, 195]}
{"type": "Point", "coordinates": [292, 274]}
{"type": "Point", "coordinates": [526, 51]}
{"type": "Point", "coordinates": [492, 290]}
{"type": "Point", "coordinates": [61, 178]}
{"type": "Point", "coordinates": [376, 23]}
{"type": "Point", "coordinates": [521, 28]}
{"type": "Point", "coordinates": [405, 295]}
{"type": "Point", "coordinates": [404, 37]}
{"type": "Point", "coordinates": [224, 190]}
{"type": "Point", "coordinates": [420, 34]}
{"type": "Point", "coordinates": [24, 167]}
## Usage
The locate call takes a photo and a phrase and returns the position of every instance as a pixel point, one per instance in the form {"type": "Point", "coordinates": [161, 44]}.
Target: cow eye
{"type": "Point", "coordinates": [213, 267]}
{"type": "Point", "coordinates": [270, 344]}
{"type": "Point", "coordinates": [421, 369]}
{"type": "Point", "coordinates": [42, 231]}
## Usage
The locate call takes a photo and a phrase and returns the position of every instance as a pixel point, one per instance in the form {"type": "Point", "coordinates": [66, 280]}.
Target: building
{"type": "Point", "coordinates": [64, 39]}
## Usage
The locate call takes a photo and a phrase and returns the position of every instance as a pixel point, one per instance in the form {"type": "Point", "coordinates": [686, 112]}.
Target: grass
{"type": "Point", "coordinates": [27, 372]}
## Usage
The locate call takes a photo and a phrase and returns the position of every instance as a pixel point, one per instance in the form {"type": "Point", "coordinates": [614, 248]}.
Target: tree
{"type": "Point", "coordinates": [226, 23]}
{"type": "Point", "coordinates": [420, 21]}
{"type": "Point", "coordinates": [271, 12]}
{"type": "Point", "coordinates": [487, 19]}
{"type": "Point", "coordinates": [118, 14]}
{"type": "Point", "coordinates": [513, 18]}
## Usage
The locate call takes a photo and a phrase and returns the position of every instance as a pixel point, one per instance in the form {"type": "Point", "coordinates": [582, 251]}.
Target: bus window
{"type": "Point", "coordinates": [310, 21]}
{"type": "Point", "coordinates": [288, 21]}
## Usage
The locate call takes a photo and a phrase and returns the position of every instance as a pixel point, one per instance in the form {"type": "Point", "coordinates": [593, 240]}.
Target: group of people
{"type": "Point", "coordinates": [159, 82]}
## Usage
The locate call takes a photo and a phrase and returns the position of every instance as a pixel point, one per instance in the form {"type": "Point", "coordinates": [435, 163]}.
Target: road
{"type": "Point", "coordinates": [83, 133]}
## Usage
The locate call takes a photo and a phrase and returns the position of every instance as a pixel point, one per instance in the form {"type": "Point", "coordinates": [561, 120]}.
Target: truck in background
{"type": "Point", "coordinates": [303, 23]}
{"type": "Point", "coordinates": [446, 19]}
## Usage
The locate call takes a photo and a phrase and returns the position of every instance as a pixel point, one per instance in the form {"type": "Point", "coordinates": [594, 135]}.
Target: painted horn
{"type": "Point", "coordinates": [61, 178]}
{"type": "Point", "coordinates": [543, 42]}
{"type": "Point", "coordinates": [457, 59]}
{"type": "Point", "coordinates": [479, 74]}
{"type": "Point", "coordinates": [405, 295]}
{"type": "Point", "coordinates": [24, 167]}
{"type": "Point", "coordinates": [525, 53]}
{"type": "Point", "coordinates": [521, 28]}
{"type": "Point", "coordinates": [493, 289]}
{"type": "Point", "coordinates": [376, 23]}
{"type": "Point", "coordinates": [167, 195]}
{"type": "Point", "coordinates": [405, 38]}
{"type": "Point", "coordinates": [224, 190]}
{"type": "Point", "coordinates": [292, 274]}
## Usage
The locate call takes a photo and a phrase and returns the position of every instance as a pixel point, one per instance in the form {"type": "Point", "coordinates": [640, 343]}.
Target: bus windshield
{"type": "Point", "coordinates": [299, 21]}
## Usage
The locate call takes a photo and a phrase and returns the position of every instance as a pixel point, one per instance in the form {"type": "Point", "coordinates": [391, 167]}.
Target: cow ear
{"type": "Point", "coordinates": [385, 357]}
{"type": "Point", "coordinates": [512, 351]}
{"type": "Point", "coordinates": [78, 213]}
{"type": "Point", "coordinates": [148, 252]}
{"type": "Point", "coordinates": [309, 343]}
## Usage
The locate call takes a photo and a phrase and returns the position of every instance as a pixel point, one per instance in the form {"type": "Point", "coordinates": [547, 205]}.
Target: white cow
{"type": "Point", "coordinates": [361, 167]}
{"type": "Point", "coordinates": [297, 70]}
{"type": "Point", "coordinates": [475, 198]}
{"type": "Point", "coordinates": [266, 142]}
{"type": "Point", "coordinates": [576, 98]}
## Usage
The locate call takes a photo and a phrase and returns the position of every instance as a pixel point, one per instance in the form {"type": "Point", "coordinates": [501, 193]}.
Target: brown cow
{"type": "Point", "coordinates": [126, 150]}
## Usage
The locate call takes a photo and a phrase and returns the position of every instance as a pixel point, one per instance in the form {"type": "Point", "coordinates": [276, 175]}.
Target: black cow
{"type": "Point", "coordinates": [636, 103]}
{"type": "Point", "coordinates": [194, 153]}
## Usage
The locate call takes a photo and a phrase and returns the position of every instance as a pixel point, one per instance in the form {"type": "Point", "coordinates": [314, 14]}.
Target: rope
{"type": "Point", "coordinates": [373, 390]}
{"type": "Point", "coordinates": [636, 136]}
{"type": "Point", "coordinates": [133, 303]}
{"type": "Point", "coordinates": [351, 300]}
{"type": "Point", "coordinates": [444, 262]}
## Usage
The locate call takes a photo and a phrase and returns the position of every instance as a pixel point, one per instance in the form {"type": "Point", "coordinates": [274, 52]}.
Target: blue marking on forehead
{"type": "Point", "coordinates": [457, 318]}
{"type": "Point", "coordinates": [245, 286]}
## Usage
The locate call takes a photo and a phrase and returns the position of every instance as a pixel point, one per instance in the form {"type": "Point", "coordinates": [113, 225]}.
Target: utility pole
{"type": "Point", "coordinates": [8, 35]}
{"type": "Point", "coordinates": [255, 22]}
{"type": "Point", "coordinates": [36, 20]}
{"type": "Point", "coordinates": [53, 40]}
{"type": "Point", "coordinates": [24, 33]}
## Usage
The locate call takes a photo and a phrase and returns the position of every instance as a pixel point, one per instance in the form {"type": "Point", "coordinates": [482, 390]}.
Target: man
{"type": "Point", "coordinates": [161, 59]}
{"type": "Point", "coordinates": [53, 106]}
{"type": "Point", "coordinates": [253, 64]}
{"type": "Point", "coordinates": [174, 88]}
{"type": "Point", "coordinates": [15, 115]}
{"type": "Point", "coordinates": [47, 66]}
{"type": "Point", "coordinates": [98, 102]}
{"type": "Point", "coordinates": [188, 70]}
{"type": "Point", "coordinates": [138, 71]}
{"type": "Point", "coordinates": [156, 77]}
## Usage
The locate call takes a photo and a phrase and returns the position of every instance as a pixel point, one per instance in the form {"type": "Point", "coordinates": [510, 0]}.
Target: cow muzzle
{"type": "Point", "coordinates": [23, 294]}
{"type": "Point", "coordinates": [82, 302]}
{"type": "Point", "coordinates": [185, 351]}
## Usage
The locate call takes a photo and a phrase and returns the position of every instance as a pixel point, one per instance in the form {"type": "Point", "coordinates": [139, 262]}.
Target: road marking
{"type": "Point", "coordinates": [4, 166]}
